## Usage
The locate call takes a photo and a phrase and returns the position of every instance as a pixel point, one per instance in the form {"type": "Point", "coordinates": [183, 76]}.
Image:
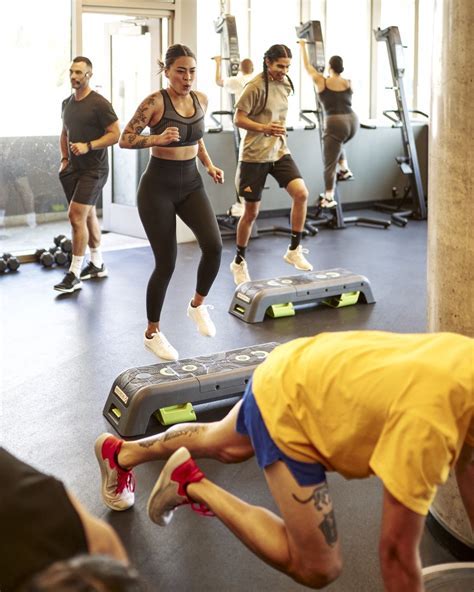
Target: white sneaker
{"type": "Point", "coordinates": [297, 258]}
{"type": "Point", "coordinates": [200, 315]}
{"type": "Point", "coordinates": [161, 347]}
{"type": "Point", "coordinates": [237, 209]}
{"type": "Point", "coordinates": [240, 271]}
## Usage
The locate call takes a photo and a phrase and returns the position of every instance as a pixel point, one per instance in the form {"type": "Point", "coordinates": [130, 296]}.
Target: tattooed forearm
{"type": "Point", "coordinates": [136, 141]}
{"type": "Point", "coordinates": [322, 503]}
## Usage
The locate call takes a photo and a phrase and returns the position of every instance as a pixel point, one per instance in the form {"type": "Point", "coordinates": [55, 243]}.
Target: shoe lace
{"type": "Point", "coordinates": [125, 480]}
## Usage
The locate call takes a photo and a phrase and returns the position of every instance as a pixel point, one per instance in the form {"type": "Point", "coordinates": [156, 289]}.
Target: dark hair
{"type": "Point", "coordinates": [173, 53]}
{"type": "Point", "coordinates": [83, 59]}
{"type": "Point", "coordinates": [86, 573]}
{"type": "Point", "coordinates": [246, 66]}
{"type": "Point", "coordinates": [274, 53]}
{"type": "Point", "coordinates": [336, 64]}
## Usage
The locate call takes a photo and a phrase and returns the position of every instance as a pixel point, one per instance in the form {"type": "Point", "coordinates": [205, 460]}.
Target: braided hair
{"type": "Point", "coordinates": [272, 54]}
{"type": "Point", "coordinates": [173, 53]}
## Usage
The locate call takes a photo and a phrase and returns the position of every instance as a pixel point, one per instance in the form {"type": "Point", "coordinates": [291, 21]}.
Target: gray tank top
{"type": "Point", "coordinates": [191, 129]}
{"type": "Point", "coordinates": [336, 102]}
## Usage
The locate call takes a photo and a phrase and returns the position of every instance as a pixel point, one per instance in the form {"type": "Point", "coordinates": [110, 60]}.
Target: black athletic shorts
{"type": "Point", "coordinates": [38, 523]}
{"type": "Point", "coordinates": [251, 176]}
{"type": "Point", "coordinates": [83, 186]}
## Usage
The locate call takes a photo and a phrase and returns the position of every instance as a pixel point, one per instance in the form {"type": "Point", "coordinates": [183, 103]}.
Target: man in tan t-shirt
{"type": "Point", "coordinates": [261, 110]}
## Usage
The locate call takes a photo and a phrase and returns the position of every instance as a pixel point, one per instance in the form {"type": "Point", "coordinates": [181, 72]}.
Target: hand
{"type": "Point", "coordinates": [275, 128]}
{"type": "Point", "coordinates": [216, 174]}
{"type": "Point", "coordinates": [63, 165]}
{"type": "Point", "coordinates": [217, 58]}
{"type": "Point", "coordinates": [170, 135]}
{"type": "Point", "coordinates": [301, 42]}
{"type": "Point", "coordinates": [78, 148]}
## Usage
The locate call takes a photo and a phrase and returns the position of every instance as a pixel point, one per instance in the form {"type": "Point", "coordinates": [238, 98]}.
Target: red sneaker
{"type": "Point", "coordinates": [170, 489]}
{"type": "Point", "coordinates": [118, 484]}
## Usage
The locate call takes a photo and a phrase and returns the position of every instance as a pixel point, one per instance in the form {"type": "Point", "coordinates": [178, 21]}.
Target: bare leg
{"type": "Point", "coordinates": [303, 543]}
{"type": "Point", "coordinates": [217, 440]}
{"type": "Point", "coordinates": [93, 227]}
{"type": "Point", "coordinates": [299, 194]}
{"type": "Point", "coordinates": [78, 214]}
{"type": "Point", "coordinates": [244, 227]}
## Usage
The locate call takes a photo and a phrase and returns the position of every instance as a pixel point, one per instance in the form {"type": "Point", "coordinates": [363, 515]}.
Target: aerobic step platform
{"type": "Point", "coordinates": [138, 392]}
{"type": "Point", "coordinates": [252, 299]}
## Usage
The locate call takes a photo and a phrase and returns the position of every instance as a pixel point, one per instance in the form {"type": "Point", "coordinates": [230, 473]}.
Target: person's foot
{"type": "Point", "coordinates": [160, 346]}
{"type": "Point", "coordinates": [170, 489]}
{"type": "Point", "coordinates": [297, 258]}
{"type": "Point", "coordinates": [240, 272]}
{"type": "Point", "coordinates": [200, 315]}
{"type": "Point", "coordinates": [69, 284]}
{"type": "Point", "coordinates": [326, 201]}
{"type": "Point", "coordinates": [91, 271]}
{"type": "Point", "coordinates": [344, 175]}
{"type": "Point", "coordinates": [118, 484]}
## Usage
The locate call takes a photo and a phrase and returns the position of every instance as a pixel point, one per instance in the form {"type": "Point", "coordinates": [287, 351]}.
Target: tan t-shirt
{"type": "Point", "coordinates": [257, 147]}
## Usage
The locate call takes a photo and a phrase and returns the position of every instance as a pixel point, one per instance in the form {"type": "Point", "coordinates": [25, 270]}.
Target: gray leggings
{"type": "Point", "coordinates": [339, 129]}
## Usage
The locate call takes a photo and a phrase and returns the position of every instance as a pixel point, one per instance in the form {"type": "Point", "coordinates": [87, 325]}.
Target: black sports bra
{"type": "Point", "coordinates": [191, 129]}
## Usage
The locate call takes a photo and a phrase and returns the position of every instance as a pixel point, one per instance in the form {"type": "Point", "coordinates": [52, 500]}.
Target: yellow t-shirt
{"type": "Point", "coordinates": [367, 402]}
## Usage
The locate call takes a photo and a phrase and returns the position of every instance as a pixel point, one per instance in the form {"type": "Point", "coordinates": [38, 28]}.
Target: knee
{"type": "Point", "coordinates": [213, 250]}
{"type": "Point", "coordinates": [318, 576]}
{"type": "Point", "coordinates": [250, 215]}
{"type": "Point", "coordinates": [233, 454]}
{"type": "Point", "coordinates": [76, 220]}
{"type": "Point", "coordinates": [300, 196]}
{"type": "Point", "coordinates": [163, 271]}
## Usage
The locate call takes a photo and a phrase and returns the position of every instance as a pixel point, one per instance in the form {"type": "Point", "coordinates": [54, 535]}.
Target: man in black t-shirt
{"type": "Point", "coordinates": [90, 125]}
{"type": "Point", "coordinates": [42, 523]}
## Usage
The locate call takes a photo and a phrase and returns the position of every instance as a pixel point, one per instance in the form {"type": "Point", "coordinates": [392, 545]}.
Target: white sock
{"type": "Point", "coordinates": [76, 265]}
{"type": "Point", "coordinates": [96, 257]}
{"type": "Point", "coordinates": [329, 195]}
{"type": "Point", "coordinates": [31, 219]}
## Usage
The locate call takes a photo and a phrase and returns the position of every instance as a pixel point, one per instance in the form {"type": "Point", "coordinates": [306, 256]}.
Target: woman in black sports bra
{"type": "Point", "coordinates": [172, 185]}
{"type": "Point", "coordinates": [340, 121]}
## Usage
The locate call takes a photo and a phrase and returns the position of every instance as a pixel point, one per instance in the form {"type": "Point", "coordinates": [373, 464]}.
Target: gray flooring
{"type": "Point", "coordinates": [62, 353]}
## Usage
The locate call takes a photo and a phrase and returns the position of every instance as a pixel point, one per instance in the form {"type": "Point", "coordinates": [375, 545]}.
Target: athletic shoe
{"type": "Point", "coordinates": [200, 315]}
{"type": "Point", "coordinates": [297, 258]}
{"type": "Point", "coordinates": [240, 271]}
{"type": "Point", "coordinates": [91, 271]}
{"type": "Point", "coordinates": [118, 485]}
{"type": "Point", "coordinates": [345, 175]}
{"type": "Point", "coordinates": [237, 209]}
{"type": "Point", "coordinates": [326, 202]}
{"type": "Point", "coordinates": [170, 489]}
{"type": "Point", "coordinates": [161, 347]}
{"type": "Point", "coordinates": [70, 284]}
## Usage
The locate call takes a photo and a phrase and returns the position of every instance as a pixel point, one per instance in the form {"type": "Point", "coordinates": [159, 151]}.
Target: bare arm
{"type": "Point", "coordinates": [399, 541]}
{"type": "Point", "coordinates": [111, 136]}
{"type": "Point", "coordinates": [465, 478]}
{"type": "Point", "coordinates": [317, 77]}
{"type": "Point", "coordinates": [218, 61]}
{"type": "Point", "coordinates": [241, 119]}
{"type": "Point", "coordinates": [101, 537]}
{"type": "Point", "coordinates": [63, 149]}
{"type": "Point", "coordinates": [216, 173]}
{"type": "Point", "coordinates": [151, 107]}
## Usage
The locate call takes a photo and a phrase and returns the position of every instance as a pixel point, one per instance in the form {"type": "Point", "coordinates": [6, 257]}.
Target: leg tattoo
{"type": "Point", "coordinates": [322, 503]}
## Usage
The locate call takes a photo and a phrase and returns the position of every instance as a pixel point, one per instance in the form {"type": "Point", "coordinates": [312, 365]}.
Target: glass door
{"type": "Point", "coordinates": [124, 51]}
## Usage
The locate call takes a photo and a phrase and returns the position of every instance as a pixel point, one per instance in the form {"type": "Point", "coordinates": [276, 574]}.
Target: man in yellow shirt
{"type": "Point", "coordinates": [359, 403]}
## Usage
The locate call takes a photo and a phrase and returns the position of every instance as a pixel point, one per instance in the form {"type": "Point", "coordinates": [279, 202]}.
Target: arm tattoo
{"type": "Point", "coordinates": [322, 501]}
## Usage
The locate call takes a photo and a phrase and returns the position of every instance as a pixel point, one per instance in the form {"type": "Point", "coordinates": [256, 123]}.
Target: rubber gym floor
{"type": "Point", "coordinates": [61, 354]}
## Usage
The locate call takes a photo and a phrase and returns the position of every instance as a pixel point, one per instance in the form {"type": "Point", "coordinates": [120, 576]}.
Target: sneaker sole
{"type": "Point", "coordinates": [296, 267]}
{"type": "Point", "coordinates": [168, 359]}
{"type": "Point", "coordinates": [71, 290]}
{"type": "Point", "coordinates": [164, 480]}
{"type": "Point", "coordinates": [89, 276]}
{"type": "Point", "coordinates": [104, 473]}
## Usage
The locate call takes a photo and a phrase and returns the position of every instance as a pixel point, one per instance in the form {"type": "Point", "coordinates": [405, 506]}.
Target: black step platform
{"type": "Point", "coordinates": [252, 299]}
{"type": "Point", "coordinates": [138, 392]}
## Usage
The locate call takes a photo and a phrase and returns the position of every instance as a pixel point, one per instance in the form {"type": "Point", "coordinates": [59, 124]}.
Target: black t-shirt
{"type": "Point", "coordinates": [38, 524]}
{"type": "Point", "coordinates": [87, 120]}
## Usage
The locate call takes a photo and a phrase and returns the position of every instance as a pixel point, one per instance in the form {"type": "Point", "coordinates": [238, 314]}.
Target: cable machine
{"type": "Point", "coordinates": [408, 163]}
{"type": "Point", "coordinates": [311, 32]}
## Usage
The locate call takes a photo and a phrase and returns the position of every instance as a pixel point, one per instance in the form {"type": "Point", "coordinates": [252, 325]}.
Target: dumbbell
{"type": "Point", "coordinates": [44, 257]}
{"type": "Point", "coordinates": [10, 262]}
{"type": "Point", "coordinates": [60, 257]}
{"type": "Point", "coordinates": [63, 242]}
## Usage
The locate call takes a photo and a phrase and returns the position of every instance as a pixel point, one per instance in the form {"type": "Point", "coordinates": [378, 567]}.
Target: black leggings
{"type": "Point", "coordinates": [169, 188]}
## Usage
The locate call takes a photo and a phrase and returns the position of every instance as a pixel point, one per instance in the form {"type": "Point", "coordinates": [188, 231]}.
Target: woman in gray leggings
{"type": "Point", "coordinates": [341, 123]}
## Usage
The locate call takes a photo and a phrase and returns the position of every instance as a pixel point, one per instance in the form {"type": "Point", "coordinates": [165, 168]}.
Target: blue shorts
{"type": "Point", "coordinates": [250, 423]}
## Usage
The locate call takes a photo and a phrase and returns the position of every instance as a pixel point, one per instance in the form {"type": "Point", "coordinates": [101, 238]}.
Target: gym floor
{"type": "Point", "coordinates": [62, 353]}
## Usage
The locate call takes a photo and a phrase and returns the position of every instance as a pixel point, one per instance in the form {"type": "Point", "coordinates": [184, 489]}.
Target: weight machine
{"type": "Point", "coordinates": [408, 163]}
